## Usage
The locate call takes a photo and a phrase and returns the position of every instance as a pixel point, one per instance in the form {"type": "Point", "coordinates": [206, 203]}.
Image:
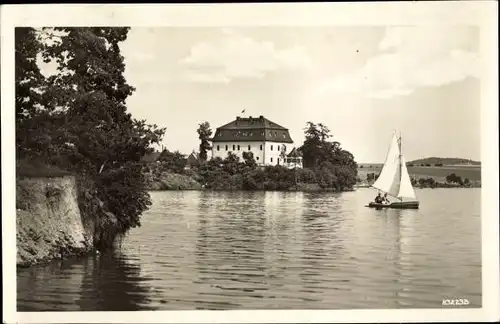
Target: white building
{"type": "Point", "coordinates": [269, 142]}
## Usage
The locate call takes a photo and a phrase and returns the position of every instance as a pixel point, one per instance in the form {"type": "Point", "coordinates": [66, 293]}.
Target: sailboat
{"type": "Point", "coordinates": [395, 180]}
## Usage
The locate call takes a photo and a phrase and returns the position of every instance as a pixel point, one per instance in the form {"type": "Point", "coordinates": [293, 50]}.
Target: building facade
{"type": "Point", "coordinates": [294, 159]}
{"type": "Point", "coordinates": [268, 141]}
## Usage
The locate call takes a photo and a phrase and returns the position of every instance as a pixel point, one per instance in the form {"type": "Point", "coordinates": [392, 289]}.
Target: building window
{"type": "Point", "coordinates": [257, 158]}
{"type": "Point", "coordinates": [271, 147]}
{"type": "Point", "coordinates": [251, 133]}
{"type": "Point", "coordinates": [249, 148]}
{"type": "Point", "coordinates": [278, 160]}
{"type": "Point", "coordinates": [261, 147]}
{"type": "Point", "coordinates": [218, 148]}
{"type": "Point", "coordinates": [234, 147]}
{"type": "Point", "coordinates": [238, 147]}
{"type": "Point", "coordinates": [262, 134]}
{"type": "Point", "coordinates": [226, 147]}
{"type": "Point", "coordinates": [271, 160]}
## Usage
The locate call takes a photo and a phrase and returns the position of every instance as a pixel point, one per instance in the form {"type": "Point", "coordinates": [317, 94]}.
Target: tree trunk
{"type": "Point", "coordinates": [102, 167]}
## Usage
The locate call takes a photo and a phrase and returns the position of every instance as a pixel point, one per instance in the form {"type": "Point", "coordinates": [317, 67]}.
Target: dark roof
{"type": "Point", "coordinates": [193, 158]}
{"type": "Point", "coordinates": [252, 129]}
{"type": "Point", "coordinates": [295, 153]}
{"type": "Point", "coordinates": [193, 155]}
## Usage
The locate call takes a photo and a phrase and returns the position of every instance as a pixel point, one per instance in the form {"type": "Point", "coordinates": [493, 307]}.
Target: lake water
{"type": "Point", "coordinates": [274, 250]}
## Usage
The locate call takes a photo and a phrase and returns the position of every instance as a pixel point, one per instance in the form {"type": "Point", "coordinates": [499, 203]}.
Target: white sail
{"type": "Point", "coordinates": [406, 192]}
{"type": "Point", "coordinates": [389, 178]}
{"type": "Point", "coordinates": [394, 178]}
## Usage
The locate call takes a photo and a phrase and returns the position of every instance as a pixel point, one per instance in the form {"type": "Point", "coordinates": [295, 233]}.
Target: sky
{"type": "Point", "coordinates": [362, 82]}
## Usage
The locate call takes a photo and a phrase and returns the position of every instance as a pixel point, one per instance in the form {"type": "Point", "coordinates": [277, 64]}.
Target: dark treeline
{"type": "Point", "coordinates": [76, 120]}
{"type": "Point", "coordinates": [326, 165]}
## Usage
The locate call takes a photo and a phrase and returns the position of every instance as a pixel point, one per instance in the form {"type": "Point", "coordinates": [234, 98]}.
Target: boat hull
{"type": "Point", "coordinates": [396, 204]}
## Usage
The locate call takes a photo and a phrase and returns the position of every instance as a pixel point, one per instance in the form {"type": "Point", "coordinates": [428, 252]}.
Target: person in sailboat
{"type": "Point", "coordinates": [379, 199]}
{"type": "Point", "coordinates": [385, 200]}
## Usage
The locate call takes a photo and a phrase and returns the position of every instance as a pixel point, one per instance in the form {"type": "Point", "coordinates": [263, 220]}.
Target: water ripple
{"type": "Point", "coordinates": [257, 250]}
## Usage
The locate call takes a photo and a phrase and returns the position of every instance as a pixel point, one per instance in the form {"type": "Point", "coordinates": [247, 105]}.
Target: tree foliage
{"type": "Point", "coordinates": [249, 160]}
{"type": "Point", "coordinates": [453, 178]}
{"type": "Point", "coordinates": [334, 167]}
{"type": "Point", "coordinates": [204, 134]}
{"type": "Point", "coordinates": [77, 117]}
{"type": "Point", "coordinates": [172, 161]}
{"type": "Point", "coordinates": [28, 78]}
{"type": "Point", "coordinates": [427, 182]}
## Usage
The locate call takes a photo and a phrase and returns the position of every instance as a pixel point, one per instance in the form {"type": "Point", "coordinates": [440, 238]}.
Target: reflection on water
{"type": "Point", "coordinates": [272, 250]}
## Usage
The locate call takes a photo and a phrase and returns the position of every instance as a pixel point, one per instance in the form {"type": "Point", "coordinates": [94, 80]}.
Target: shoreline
{"type": "Point", "coordinates": [257, 190]}
{"type": "Point", "coordinates": [309, 190]}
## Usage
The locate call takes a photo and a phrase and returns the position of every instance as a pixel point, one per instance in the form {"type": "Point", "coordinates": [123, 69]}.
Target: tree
{"type": "Point", "coordinates": [453, 178]}
{"type": "Point", "coordinates": [231, 163]}
{"type": "Point", "coordinates": [204, 134]}
{"type": "Point", "coordinates": [305, 176]}
{"type": "Point", "coordinates": [172, 161]}
{"type": "Point", "coordinates": [326, 176]}
{"type": "Point", "coordinates": [427, 182]}
{"type": "Point", "coordinates": [333, 165]}
{"type": "Point", "coordinates": [249, 160]}
{"type": "Point", "coordinates": [79, 118]}
{"type": "Point", "coordinates": [32, 127]}
{"type": "Point", "coordinates": [283, 153]}
{"type": "Point", "coordinates": [312, 147]}
{"type": "Point", "coordinates": [28, 78]}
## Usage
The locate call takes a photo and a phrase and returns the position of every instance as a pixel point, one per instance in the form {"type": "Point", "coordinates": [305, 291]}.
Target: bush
{"type": "Point", "coordinates": [453, 178]}
{"type": "Point", "coordinates": [249, 182]}
{"type": "Point", "coordinates": [306, 176]}
{"type": "Point", "coordinates": [231, 174]}
{"type": "Point", "coordinates": [427, 182]}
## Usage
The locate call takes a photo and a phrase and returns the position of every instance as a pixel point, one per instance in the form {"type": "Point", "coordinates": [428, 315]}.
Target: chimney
{"type": "Point", "coordinates": [261, 117]}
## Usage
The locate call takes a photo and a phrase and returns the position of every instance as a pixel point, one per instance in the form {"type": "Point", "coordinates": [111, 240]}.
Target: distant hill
{"type": "Point", "coordinates": [444, 161]}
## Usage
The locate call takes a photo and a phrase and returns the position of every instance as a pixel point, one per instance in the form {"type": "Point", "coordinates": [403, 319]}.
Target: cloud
{"type": "Point", "coordinates": [208, 78]}
{"type": "Point", "coordinates": [238, 56]}
{"type": "Point", "coordinates": [141, 56]}
{"type": "Point", "coordinates": [411, 57]}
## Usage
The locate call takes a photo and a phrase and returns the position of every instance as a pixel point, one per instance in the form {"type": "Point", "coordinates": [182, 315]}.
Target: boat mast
{"type": "Point", "coordinates": [400, 164]}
